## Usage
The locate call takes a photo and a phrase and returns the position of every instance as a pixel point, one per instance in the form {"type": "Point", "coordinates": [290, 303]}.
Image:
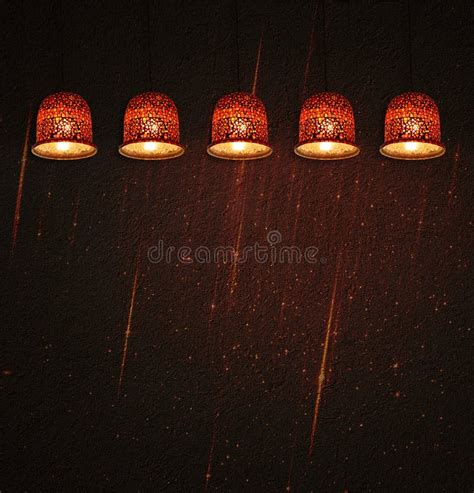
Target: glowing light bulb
{"type": "Point", "coordinates": [411, 146]}
{"type": "Point", "coordinates": [63, 146]}
{"type": "Point", "coordinates": [150, 146]}
{"type": "Point", "coordinates": [326, 146]}
{"type": "Point", "coordinates": [238, 146]}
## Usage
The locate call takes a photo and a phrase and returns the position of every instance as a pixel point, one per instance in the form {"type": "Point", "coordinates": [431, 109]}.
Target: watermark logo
{"type": "Point", "coordinates": [273, 252]}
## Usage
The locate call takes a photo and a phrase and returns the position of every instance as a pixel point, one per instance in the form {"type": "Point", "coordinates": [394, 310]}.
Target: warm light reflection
{"type": "Point", "coordinates": [149, 146]}
{"type": "Point", "coordinates": [323, 368]}
{"type": "Point", "coordinates": [411, 146]}
{"type": "Point", "coordinates": [63, 146]}
{"type": "Point", "coordinates": [326, 146]}
{"type": "Point", "coordinates": [21, 181]}
{"type": "Point", "coordinates": [239, 151]}
{"type": "Point", "coordinates": [238, 146]}
{"type": "Point", "coordinates": [326, 150]}
{"type": "Point", "coordinates": [412, 150]}
{"type": "Point", "coordinates": [151, 151]}
{"type": "Point", "coordinates": [128, 330]}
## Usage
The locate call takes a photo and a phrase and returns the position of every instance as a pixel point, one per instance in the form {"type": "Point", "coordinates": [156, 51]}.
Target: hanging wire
{"type": "Point", "coordinates": [257, 62]}
{"type": "Point", "coordinates": [410, 45]}
{"type": "Point", "coordinates": [148, 38]}
{"type": "Point", "coordinates": [237, 47]}
{"type": "Point", "coordinates": [60, 22]}
{"type": "Point", "coordinates": [310, 50]}
{"type": "Point", "coordinates": [325, 68]}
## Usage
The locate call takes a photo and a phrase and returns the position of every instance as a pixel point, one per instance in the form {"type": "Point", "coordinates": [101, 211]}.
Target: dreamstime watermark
{"type": "Point", "coordinates": [272, 252]}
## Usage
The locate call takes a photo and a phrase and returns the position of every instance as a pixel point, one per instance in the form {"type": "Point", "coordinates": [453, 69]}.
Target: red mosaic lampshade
{"type": "Point", "coordinates": [327, 128]}
{"type": "Point", "coordinates": [412, 128]}
{"type": "Point", "coordinates": [64, 128]}
{"type": "Point", "coordinates": [151, 128]}
{"type": "Point", "coordinates": [239, 128]}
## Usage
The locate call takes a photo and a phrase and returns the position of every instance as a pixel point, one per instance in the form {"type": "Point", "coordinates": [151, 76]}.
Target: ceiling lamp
{"type": "Point", "coordinates": [151, 128]}
{"type": "Point", "coordinates": [239, 128]}
{"type": "Point", "coordinates": [412, 128]}
{"type": "Point", "coordinates": [64, 128]}
{"type": "Point", "coordinates": [327, 128]}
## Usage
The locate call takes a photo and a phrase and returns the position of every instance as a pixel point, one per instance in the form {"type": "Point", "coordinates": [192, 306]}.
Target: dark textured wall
{"type": "Point", "coordinates": [350, 374]}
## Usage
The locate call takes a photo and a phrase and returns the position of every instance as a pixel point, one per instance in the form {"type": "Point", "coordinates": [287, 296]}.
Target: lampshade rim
{"type": "Point", "coordinates": [144, 139]}
{"type": "Point", "coordinates": [440, 145]}
{"type": "Point", "coordinates": [92, 146]}
{"type": "Point", "coordinates": [178, 153]}
{"type": "Point", "coordinates": [355, 153]}
{"type": "Point", "coordinates": [239, 139]}
{"type": "Point", "coordinates": [240, 158]}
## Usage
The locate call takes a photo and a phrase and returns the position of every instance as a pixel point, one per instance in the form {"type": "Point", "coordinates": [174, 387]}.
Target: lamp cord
{"type": "Point", "coordinates": [410, 46]}
{"type": "Point", "coordinates": [148, 37]}
{"type": "Point", "coordinates": [325, 68]}
{"type": "Point", "coordinates": [237, 47]}
{"type": "Point", "coordinates": [257, 62]}
{"type": "Point", "coordinates": [60, 20]}
{"type": "Point", "coordinates": [310, 49]}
